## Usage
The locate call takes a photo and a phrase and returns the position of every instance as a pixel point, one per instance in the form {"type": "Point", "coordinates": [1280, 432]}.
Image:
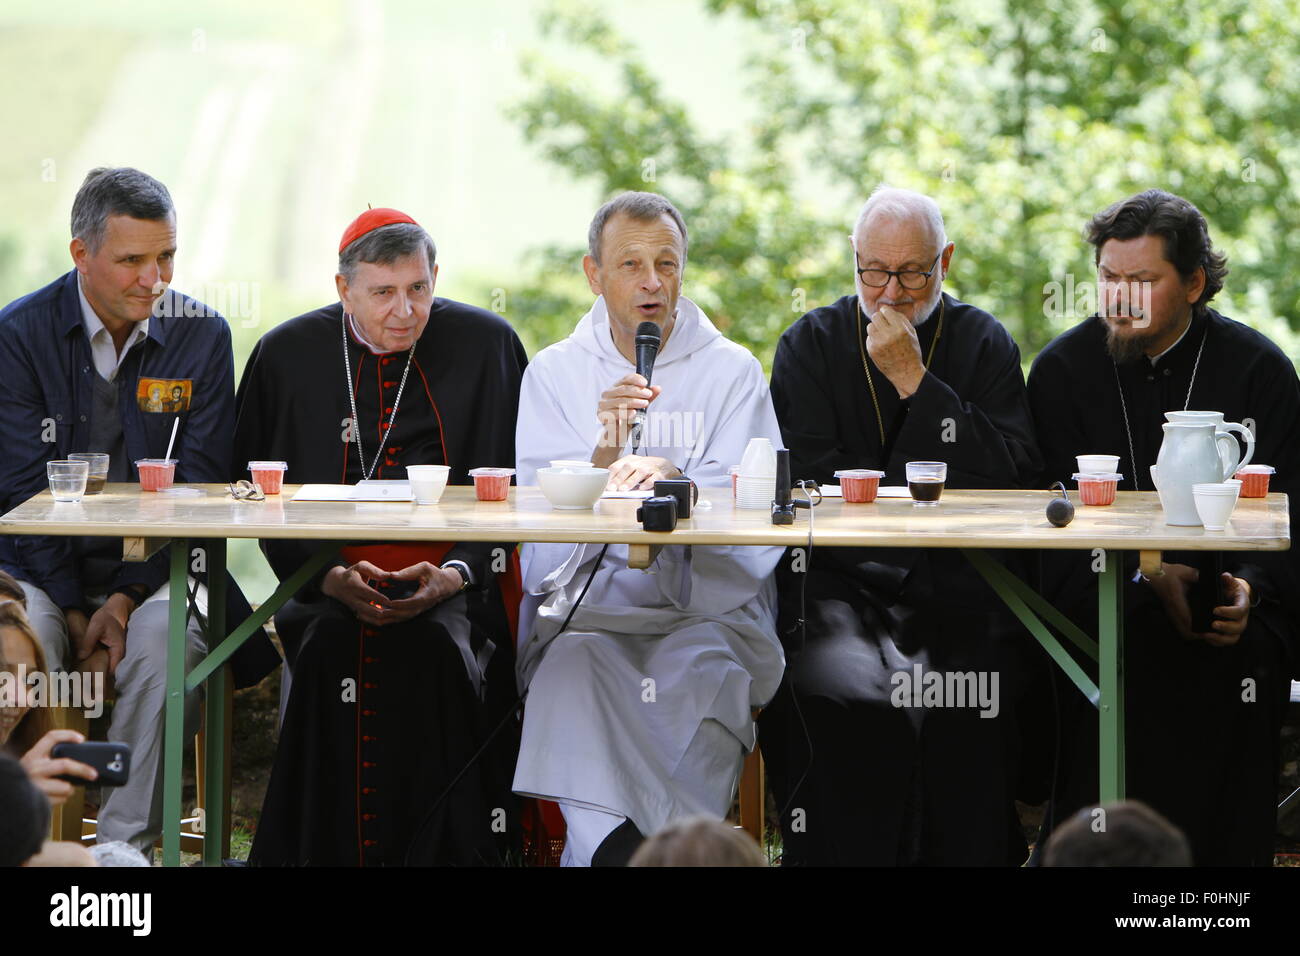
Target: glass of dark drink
{"type": "Point", "coordinates": [925, 481]}
{"type": "Point", "coordinates": [98, 465]}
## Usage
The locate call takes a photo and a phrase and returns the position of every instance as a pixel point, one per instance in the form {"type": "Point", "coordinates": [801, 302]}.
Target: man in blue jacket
{"type": "Point", "coordinates": [78, 361]}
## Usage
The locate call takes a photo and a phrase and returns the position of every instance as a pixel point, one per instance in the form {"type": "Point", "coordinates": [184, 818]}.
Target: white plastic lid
{"type": "Point", "coordinates": [1257, 470]}
{"type": "Point", "coordinates": [268, 466]}
{"type": "Point", "coordinates": [859, 473]}
{"type": "Point", "coordinates": [1098, 476]}
{"type": "Point", "coordinates": [491, 472]}
{"type": "Point", "coordinates": [156, 462]}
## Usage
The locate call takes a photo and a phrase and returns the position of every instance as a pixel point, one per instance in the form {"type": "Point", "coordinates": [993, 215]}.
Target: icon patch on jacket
{"type": "Point", "coordinates": [164, 394]}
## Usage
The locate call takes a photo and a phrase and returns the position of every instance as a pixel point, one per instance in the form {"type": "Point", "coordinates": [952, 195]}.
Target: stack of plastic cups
{"type": "Point", "coordinates": [756, 482]}
{"type": "Point", "coordinates": [1214, 502]}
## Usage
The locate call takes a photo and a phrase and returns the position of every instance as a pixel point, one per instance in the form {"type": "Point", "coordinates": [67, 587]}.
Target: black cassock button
{"type": "Point", "coordinates": [1151, 378]}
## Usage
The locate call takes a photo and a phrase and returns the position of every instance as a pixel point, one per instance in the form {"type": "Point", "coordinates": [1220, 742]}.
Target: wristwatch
{"type": "Point", "coordinates": [466, 576]}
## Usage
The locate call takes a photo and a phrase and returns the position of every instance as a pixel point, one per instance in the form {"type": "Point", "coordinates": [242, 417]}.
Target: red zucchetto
{"type": "Point", "coordinates": [369, 221]}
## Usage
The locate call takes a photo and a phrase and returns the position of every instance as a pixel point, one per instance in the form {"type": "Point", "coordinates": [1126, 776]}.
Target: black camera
{"type": "Point", "coordinates": [658, 514]}
{"type": "Point", "coordinates": [683, 489]}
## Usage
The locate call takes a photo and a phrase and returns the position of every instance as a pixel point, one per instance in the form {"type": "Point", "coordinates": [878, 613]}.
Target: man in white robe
{"type": "Point", "coordinates": [641, 711]}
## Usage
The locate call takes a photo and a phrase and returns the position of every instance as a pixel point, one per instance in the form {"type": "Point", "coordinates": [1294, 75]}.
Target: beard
{"type": "Point", "coordinates": [1126, 348]}
{"type": "Point", "coordinates": [922, 310]}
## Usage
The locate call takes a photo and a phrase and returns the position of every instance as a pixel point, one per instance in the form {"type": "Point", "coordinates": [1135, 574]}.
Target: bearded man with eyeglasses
{"type": "Point", "coordinates": [898, 372]}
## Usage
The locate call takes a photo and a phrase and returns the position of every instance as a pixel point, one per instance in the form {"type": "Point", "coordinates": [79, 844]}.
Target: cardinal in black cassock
{"type": "Point", "coordinates": [881, 784]}
{"type": "Point", "coordinates": [1202, 722]}
{"type": "Point", "coordinates": [356, 781]}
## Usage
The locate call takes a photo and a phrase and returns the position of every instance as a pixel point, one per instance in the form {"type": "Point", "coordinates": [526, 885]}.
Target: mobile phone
{"type": "Point", "coordinates": [1206, 594]}
{"type": "Point", "coordinates": [112, 761]}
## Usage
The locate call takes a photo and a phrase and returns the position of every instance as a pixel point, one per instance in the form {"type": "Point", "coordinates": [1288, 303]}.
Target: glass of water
{"type": "Point", "coordinates": [67, 479]}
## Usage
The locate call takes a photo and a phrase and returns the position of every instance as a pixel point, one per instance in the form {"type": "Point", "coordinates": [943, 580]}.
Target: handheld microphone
{"type": "Point", "coordinates": [648, 338]}
{"type": "Point", "coordinates": [784, 504]}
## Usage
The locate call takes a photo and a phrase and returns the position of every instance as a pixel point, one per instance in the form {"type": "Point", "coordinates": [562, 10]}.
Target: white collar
{"type": "Point", "coordinates": [355, 326]}
{"type": "Point", "coordinates": [94, 324]}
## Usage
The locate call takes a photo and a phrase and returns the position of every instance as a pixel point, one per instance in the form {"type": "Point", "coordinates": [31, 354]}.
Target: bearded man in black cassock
{"type": "Point", "coordinates": [898, 372]}
{"type": "Point", "coordinates": [390, 377]}
{"type": "Point", "coordinates": [1204, 707]}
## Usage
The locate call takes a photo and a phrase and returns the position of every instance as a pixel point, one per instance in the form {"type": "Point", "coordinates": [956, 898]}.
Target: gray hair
{"type": "Point", "coordinates": [643, 207]}
{"type": "Point", "coordinates": [386, 245]}
{"type": "Point", "coordinates": [116, 192]}
{"type": "Point", "coordinates": [901, 204]}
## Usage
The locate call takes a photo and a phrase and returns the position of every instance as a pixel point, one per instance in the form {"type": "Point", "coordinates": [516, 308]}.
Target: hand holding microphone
{"type": "Point", "coordinates": [647, 342]}
{"type": "Point", "coordinates": [622, 407]}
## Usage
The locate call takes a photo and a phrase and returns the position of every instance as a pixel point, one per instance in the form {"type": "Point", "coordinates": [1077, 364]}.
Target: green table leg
{"type": "Point", "coordinates": [1110, 676]}
{"type": "Point", "coordinates": [216, 840]}
{"type": "Point", "coordinates": [174, 727]}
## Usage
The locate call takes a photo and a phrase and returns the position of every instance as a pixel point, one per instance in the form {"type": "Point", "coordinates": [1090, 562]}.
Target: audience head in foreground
{"type": "Point", "coordinates": [1127, 833]}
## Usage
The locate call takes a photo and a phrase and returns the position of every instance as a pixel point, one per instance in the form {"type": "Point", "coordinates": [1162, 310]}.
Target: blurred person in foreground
{"type": "Point", "coordinates": [1127, 833]}
{"type": "Point", "coordinates": [699, 841]}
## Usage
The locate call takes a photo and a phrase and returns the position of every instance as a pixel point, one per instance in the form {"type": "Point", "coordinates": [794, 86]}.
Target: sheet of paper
{"type": "Point", "coordinates": [627, 494]}
{"type": "Point", "coordinates": [365, 491]}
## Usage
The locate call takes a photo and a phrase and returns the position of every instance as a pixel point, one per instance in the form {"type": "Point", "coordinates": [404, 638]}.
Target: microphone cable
{"type": "Point", "coordinates": [803, 486]}
{"type": "Point", "coordinates": [513, 711]}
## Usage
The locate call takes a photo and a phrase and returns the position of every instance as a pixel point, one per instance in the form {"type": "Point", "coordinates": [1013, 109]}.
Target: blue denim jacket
{"type": "Point", "coordinates": [46, 396]}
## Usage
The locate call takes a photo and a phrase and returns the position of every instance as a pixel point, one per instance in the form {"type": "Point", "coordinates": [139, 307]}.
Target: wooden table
{"type": "Point", "coordinates": [970, 520]}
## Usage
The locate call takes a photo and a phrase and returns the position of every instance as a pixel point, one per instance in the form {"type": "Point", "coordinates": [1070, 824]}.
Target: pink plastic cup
{"type": "Point", "coordinates": [156, 474]}
{"type": "Point", "coordinates": [491, 484]}
{"type": "Point", "coordinates": [859, 485]}
{"type": "Point", "coordinates": [1098, 489]}
{"type": "Point", "coordinates": [1254, 480]}
{"type": "Point", "coordinates": [269, 475]}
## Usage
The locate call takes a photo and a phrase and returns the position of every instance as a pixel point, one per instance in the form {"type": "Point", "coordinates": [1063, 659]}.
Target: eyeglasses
{"type": "Point", "coordinates": [245, 490]}
{"type": "Point", "coordinates": [907, 278]}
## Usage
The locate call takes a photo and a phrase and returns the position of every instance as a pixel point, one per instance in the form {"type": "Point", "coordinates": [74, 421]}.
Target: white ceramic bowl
{"type": "Point", "coordinates": [570, 463]}
{"type": "Point", "coordinates": [572, 489]}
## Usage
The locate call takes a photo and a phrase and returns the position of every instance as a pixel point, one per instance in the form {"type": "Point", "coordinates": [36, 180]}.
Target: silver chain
{"type": "Point", "coordinates": [352, 397]}
{"type": "Point", "coordinates": [1124, 405]}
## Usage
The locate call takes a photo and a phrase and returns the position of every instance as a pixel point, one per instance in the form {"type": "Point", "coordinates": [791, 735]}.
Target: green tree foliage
{"type": "Point", "coordinates": [1021, 118]}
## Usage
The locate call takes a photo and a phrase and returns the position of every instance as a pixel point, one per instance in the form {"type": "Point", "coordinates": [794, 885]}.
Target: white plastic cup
{"type": "Point", "coordinates": [1214, 503]}
{"type": "Point", "coordinates": [1097, 464]}
{"type": "Point", "coordinates": [759, 460]}
{"type": "Point", "coordinates": [427, 482]}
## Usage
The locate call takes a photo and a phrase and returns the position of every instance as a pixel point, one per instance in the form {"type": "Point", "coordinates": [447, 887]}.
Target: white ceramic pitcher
{"type": "Point", "coordinates": [1189, 455]}
{"type": "Point", "coordinates": [1229, 451]}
